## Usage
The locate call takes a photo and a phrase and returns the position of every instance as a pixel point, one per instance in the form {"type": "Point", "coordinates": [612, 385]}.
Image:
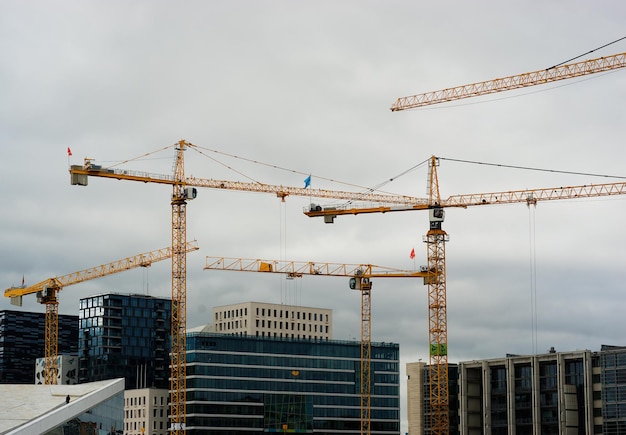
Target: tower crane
{"type": "Point", "coordinates": [435, 240]}
{"type": "Point", "coordinates": [561, 72]}
{"type": "Point", "coordinates": [360, 279]}
{"type": "Point", "coordinates": [47, 293]}
{"type": "Point", "coordinates": [183, 190]}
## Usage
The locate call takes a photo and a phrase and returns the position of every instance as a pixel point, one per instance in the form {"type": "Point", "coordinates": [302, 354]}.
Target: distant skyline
{"type": "Point", "coordinates": [304, 88]}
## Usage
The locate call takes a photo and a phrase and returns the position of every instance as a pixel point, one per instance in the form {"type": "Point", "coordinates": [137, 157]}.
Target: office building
{"type": "Point", "coordinates": [22, 342]}
{"type": "Point", "coordinates": [418, 398]}
{"type": "Point", "coordinates": [573, 393]}
{"type": "Point", "coordinates": [261, 319]}
{"type": "Point", "coordinates": [239, 384]}
{"type": "Point", "coordinates": [125, 336]}
{"type": "Point", "coordinates": [146, 411]}
{"type": "Point", "coordinates": [552, 393]}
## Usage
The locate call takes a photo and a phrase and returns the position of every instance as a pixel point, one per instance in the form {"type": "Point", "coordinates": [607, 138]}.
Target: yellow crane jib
{"type": "Point", "coordinates": [560, 72]}
{"type": "Point", "coordinates": [360, 279]}
{"type": "Point", "coordinates": [435, 240]}
{"type": "Point", "coordinates": [48, 289]}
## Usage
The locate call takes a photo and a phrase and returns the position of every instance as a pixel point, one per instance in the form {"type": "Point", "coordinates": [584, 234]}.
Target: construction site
{"type": "Point", "coordinates": [516, 331]}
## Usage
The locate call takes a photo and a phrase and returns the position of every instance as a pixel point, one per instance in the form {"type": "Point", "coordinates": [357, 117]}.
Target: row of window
{"type": "Point", "coordinates": [137, 426]}
{"type": "Point", "coordinates": [322, 402]}
{"type": "Point", "coordinates": [294, 336]}
{"type": "Point", "coordinates": [227, 314]}
{"type": "Point", "coordinates": [112, 300]}
{"type": "Point", "coordinates": [295, 326]}
{"type": "Point", "coordinates": [273, 385]}
{"type": "Point", "coordinates": [277, 313]}
{"type": "Point", "coordinates": [141, 401]}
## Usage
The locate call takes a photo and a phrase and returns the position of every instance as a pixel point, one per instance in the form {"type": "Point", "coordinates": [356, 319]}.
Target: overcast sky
{"type": "Point", "coordinates": [305, 88]}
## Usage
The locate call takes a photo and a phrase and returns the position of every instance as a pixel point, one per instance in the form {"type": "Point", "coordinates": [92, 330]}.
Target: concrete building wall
{"type": "Point", "coordinates": [145, 411]}
{"type": "Point", "coordinates": [273, 320]}
{"type": "Point", "coordinates": [549, 393]}
{"type": "Point", "coordinates": [415, 397]}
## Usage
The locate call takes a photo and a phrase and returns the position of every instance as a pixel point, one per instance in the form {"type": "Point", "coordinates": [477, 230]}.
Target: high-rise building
{"type": "Point", "coordinates": [22, 342]}
{"type": "Point", "coordinates": [125, 336]}
{"type": "Point", "coordinates": [247, 384]}
{"type": "Point", "coordinates": [273, 320]}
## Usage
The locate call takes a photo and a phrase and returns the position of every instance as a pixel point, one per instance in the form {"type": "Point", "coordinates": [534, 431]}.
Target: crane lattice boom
{"type": "Point", "coordinates": [436, 239]}
{"type": "Point", "coordinates": [529, 196]}
{"type": "Point", "coordinates": [48, 290]}
{"type": "Point", "coordinates": [359, 274]}
{"type": "Point", "coordinates": [553, 74]}
{"type": "Point", "coordinates": [79, 174]}
{"type": "Point", "coordinates": [140, 260]}
{"type": "Point", "coordinates": [299, 268]}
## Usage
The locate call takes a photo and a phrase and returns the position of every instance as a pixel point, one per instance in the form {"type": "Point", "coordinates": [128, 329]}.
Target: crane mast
{"type": "Point", "coordinates": [184, 190]}
{"type": "Point", "coordinates": [556, 73]}
{"type": "Point", "coordinates": [436, 239]}
{"type": "Point", "coordinates": [360, 279]}
{"type": "Point", "coordinates": [47, 293]}
{"type": "Point", "coordinates": [178, 375]}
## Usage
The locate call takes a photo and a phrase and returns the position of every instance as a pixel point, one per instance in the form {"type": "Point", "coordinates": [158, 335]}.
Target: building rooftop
{"type": "Point", "coordinates": [29, 409]}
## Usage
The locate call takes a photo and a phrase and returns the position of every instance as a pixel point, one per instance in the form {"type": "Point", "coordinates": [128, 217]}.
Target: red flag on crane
{"type": "Point", "coordinates": [412, 255]}
{"type": "Point", "coordinates": [69, 151]}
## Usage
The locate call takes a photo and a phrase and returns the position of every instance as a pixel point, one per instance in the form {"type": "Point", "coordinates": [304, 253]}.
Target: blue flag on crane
{"type": "Point", "coordinates": [307, 181]}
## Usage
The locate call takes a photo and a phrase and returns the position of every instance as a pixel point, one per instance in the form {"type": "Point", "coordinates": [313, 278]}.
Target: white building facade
{"type": "Point", "coordinates": [262, 319]}
{"type": "Point", "coordinates": [145, 411]}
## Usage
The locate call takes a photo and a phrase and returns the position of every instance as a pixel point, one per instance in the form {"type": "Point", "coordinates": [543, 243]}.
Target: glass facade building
{"type": "Point", "coordinates": [125, 336]}
{"type": "Point", "coordinates": [248, 385]}
{"type": "Point", "coordinates": [22, 342]}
